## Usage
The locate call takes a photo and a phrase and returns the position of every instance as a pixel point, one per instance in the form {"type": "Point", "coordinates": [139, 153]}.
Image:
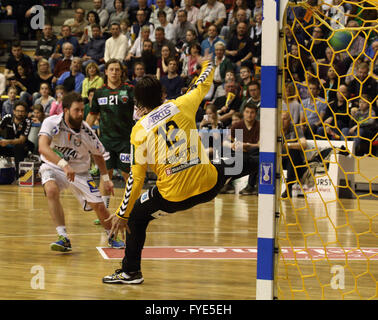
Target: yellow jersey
{"type": "Point", "coordinates": [167, 141]}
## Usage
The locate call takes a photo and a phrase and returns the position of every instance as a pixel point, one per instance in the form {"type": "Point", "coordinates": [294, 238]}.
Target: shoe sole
{"type": "Point", "coordinates": [118, 281]}
{"type": "Point", "coordinates": [57, 247]}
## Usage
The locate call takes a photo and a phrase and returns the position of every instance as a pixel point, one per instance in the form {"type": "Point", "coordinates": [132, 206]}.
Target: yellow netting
{"type": "Point", "coordinates": [327, 231]}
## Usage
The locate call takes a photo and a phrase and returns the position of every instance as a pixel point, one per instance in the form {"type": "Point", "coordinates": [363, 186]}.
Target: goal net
{"type": "Point", "coordinates": [327, 230]}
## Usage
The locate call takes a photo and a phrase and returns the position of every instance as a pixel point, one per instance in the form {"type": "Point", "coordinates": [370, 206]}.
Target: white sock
{"type": "Point", "coordinates": [106, 200]}
{"type": "Point", "coordinates": [62, 231]}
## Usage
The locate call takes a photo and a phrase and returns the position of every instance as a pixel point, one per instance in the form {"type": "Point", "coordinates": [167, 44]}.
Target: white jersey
{"type": "Point", "coordinates": [74, 147]}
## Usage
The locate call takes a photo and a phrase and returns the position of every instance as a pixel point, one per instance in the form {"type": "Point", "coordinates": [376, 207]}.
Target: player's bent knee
{"type": "Point", "coordinates": [51, 190]}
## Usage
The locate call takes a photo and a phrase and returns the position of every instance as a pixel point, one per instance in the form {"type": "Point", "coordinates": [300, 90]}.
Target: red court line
{"type": "Point", "coordinates": [197, 252]}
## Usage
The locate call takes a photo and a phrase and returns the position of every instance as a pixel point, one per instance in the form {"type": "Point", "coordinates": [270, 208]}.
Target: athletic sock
{"type": "Point", "coordinates": [62, 231]}
{"type": "Point", "coordinates": [106, 200]}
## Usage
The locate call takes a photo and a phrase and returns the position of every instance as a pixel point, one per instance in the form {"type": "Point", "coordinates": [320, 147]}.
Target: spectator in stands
{"type": "Point", "coordinates": [139, 72]}
{"type": "Point", "coordinates": [181, 26]}
{"type": "Point", "coordinates": [239, 48]}
{"type": "Point", "coordinates": [26, 83]}
{"type": "Point", "coordinates": [58, 50]}
{"type": "Point", "coordinates": [189, 67]}
{"type": "Point", "coordinates": [210, 132]}
{"type": "Point", "coordinates": [250, 128]}
{"type": "Point", "coordinates": [14, 130]}
{"type": "Point", "coordinates": [57, 105]}
{"type": "Point", "coordinates": [88, 105]}
{"type": "Point", "coordinates": [297, 64]}
{"type": "Point", "coordinates": [77, 23]}
{"type": "Point", "coordinates": [290, 102]}
{"type": "Point", "coordinates": [148, 57]}
{"type": "Point", "coordinates": [172, 81]}
{"type": "Point", "coordinates": [230, 29]}
{"type": "Point", "coordinates": [164, 23]}
{"type": "Point", "coordinates": [207, 45]}
{"type": "Point", "coordinates": [232, 16]}
{"type": "Point", "coordinates": [362, 78]}
{"type": "Point", "coordinates": [162, 63]}
{"type": "Point", "coordinates": [230, 75]}
{"type": "Point", "coordinates": [317, 46]}
{"type": "Point", "coordinates": [92, 79]}
{"type": "Point", "coordinates": [64, 63]}
{"type": "Point", "coordinates": [221, 62]}
{"type": "Point", "coordinates": [161, 6]}
{"type": "Point", "coordinates": [364, 125]}
{"type": "Point", "coordinates": [331, 84]}
{"type": "Point", "coordinates": [43, 75]}
{"type": "Point", "coordinates": [212, 12]}
{"type": "Point", "coordinates": [258, 8]}
{"type": "Point", "coordinates": [109, 6]}
{"type": "Point", "coordinates": [72, 80]}
{"type": "Point", "coordinates": [358, 44]}
{"type": "Point", "coordinates": [141, 21]}
{"type": "Point", "coordinates": [93, 19]}
{"type": "Point", "coordinates": [102, 13]}
{"type": "Point", "coordinates": [228, 103]}
{"type": "Point", "coordinates": [246, 79]}
{"type": "Point", "coordinates": [253, 98]}
{"type": "Point", "coordinates": [119, 13]}
{"type": "Point", "coordinates": [117, 45]}
{"type": "Point", "coordinates": [314, 111]}
{"type": "Point", "coordinates": [94, 50]}
{"type": "Point", "coordinates": [45, 99]}
{"type": "Point", "coordinates": [46, 44]}
{"type": "Point", "coordinates": [9, 104]}
{"type": "Point", "coordinates": [341, 66]}
{"type": "Point", "coordinates": [292, 153]}
{"type": "Point", "coordinates": [256, 32]}
{"type": "Point", "coordinates": [190, 38]}
{"type": "Point", "coordinates": [142, 6]}
{"type": "Point", "coordinates": [16, 57]}
{"type": "Point", "coordinates": [137, 48]}
{"type": "Point", "coordinates": [191, 10]}
{"type": "Point", "coordinates": [36, 121]}
{"type": "Point", "coordinates": [160, 41]}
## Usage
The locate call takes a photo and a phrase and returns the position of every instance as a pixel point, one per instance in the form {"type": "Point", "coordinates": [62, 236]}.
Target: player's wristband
{"type": "Point", "coordinates": [105, 177]}
{"type": "Point", "coordinates": [62, 163]}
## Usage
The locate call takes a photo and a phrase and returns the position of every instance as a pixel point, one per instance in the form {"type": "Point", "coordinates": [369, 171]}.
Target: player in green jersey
{"type": "Point", "coordinates": [114, 102]}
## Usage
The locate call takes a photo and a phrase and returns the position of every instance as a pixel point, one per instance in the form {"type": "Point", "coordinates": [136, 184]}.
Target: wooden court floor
{"type": "Point", "coordinates": [26, 231]}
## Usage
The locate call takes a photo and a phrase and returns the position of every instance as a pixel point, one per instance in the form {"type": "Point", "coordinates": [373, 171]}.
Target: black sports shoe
{"type": "Point", "coordinates": [122, 277]}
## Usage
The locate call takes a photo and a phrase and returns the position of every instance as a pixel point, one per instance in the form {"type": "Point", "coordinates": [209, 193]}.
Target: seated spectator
{"type": "Point", "coordinates": [256, 33]}
{"type": "Point", "coordinates": [137, 26]}
{"type": "Point", "coordinates": [57, 105]}
{"type": "Point", "coordinates": [137, 48]}
{"type": "Point", "coordinates": [162, 63]}
{"type": "Point", "coordinates": [190, 38]}
{"type": "Point", "coordinates": [16, 57]}
{"type": "Point", "coordinates": [92, 80]}
{"type": "Point", "coordinates": [148, 57]}
{"type": "Point", "coordinates": [25, 82]}
{"type": "Point", "coordinates": [46, 44]}
{"type": "Point", "coordinates": [358, 44]}
{"type": "Point", "coordinates": [313, 112]}
{"type": "Point", "coordinates": [211, 132]}
{"type": "Point", "coordinates": [181, 26]}
{"type": "Point", "coordinates": [253, 97]}
{"type": "Point", "coordinates": [191, 10]}
{"type": "Point", "coordinates": [92, 20]}
{"type": "Point", "coordinates": [363, 127]}
{"type": "Point", "coordinates": [240, 47]}
{"type": "Point", "coordinates": [43, 75]}
{"type": "Point", "coordinates": [228, 103]}
{"type": "Point", "coordinates": [36, 121]}
{"type": "Point", "coordinates": [207, 45]}
{"type": "Point", "coordinates": [317, 46]}
{"type": "Point", "coordinates": [14, 131]}
{"type": "Point", "coordinates": [72, 80]}
{"type": "Point", "coordinates": [293, 158]}
{"type": "Point", "coordinates": [58, 50]}
{"type": "Point", "coordinates": [250, 127]}
{"type": "Point", "coordinates": [290, 102]}
{"type": "Point", "coordinates": [88, 105]}
{"type": "Point", "coordinates": [64, 63]}
{"type": "Point", "coordinates": [139, 72]}
{"type": "Point", "coordinates": [119, 13]}
{"type": "Point", "coordinates": [331, 84]}
{"type": "Point", "coordinates": [232, 16]}
{"type": "Point", "coordinates": [240, 15]}
{"type": "Point", "coordinates": [212, 12]}
{"type": "Point", "coordinates": [166, 25]}
{"type": "Point", "coordinates": [160, 41]}
{"type": "Point", "coordinates": [45, 99]}
{"type": "Point", "coordinates": [221, 62]}
{"type": "Point", "coordinates": [245, 76]}
{"type": "Point", "coordinates": [117, 46]}
{"type": "Point", "coordinates": [94, 50]}
{"type": "Point", "coordinates": [102, 12]}
{"type": "Point", "coordinates": [219, 92]}
{"type": "Point", "coordinates": [9, 104]}
{"type": "Point", "coordinates": [172, 82]}
{"type": "Point", "coordinates": [77, 23]}
{"type": "Point", "coordinates": [135, 11]}
{"type": "Point", "coordinates": [161, 6]}
{"type": "Point", "coordinates": [189, 67]}
{"type": "Point", "coordinates": [236, 117]}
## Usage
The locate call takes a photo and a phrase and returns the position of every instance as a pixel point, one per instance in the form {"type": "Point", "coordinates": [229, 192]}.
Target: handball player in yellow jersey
{"type": "Point", "coordinates": [165, 139]}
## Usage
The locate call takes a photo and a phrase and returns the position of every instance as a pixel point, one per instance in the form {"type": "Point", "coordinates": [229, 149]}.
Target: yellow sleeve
{"type": "Point", "coordinates": [199, 90]}
{"type": "Point", "coordinates": [137, 175]}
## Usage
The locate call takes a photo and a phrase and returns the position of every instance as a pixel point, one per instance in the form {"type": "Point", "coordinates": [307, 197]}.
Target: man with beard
{"type": "Point", "coordinates": [14, 131]}
{"type": "Point", "coordinates": [66, 145]}
{"type": "Point", "coordinates": [114, 102]}
{"type": "Point", "coordinates": [148, 58]}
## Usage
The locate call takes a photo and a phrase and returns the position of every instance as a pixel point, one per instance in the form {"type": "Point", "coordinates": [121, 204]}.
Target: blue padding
{"type": "Point", "coordinates": [269, 86]}
{"type": "Point", "coordinates": [267, 173]}
{"type": "Point", "coordinates": [265, 259]}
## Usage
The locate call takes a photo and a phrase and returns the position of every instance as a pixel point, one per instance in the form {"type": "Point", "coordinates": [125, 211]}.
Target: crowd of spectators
{"type": "Point", "coordinates": [166, 37]}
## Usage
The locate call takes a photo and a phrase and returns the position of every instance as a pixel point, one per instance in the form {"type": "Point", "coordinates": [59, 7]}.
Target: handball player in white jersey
{"type": "Point", "coordinates": [66, 144]}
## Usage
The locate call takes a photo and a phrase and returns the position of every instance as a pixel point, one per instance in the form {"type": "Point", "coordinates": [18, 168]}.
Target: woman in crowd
{"type": "Point", "coordinates": [162, 64]}
{"type": "Point", "coordinates": [57, 105]}
{"type": "Point", "coordinates": [45, 99]}
{"type": "Point", "coordinates": [92, 80]}
{"type": "Point", "coordinates": [43, 75]}
{"type": "Point", "coordinates": [92, 18]}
